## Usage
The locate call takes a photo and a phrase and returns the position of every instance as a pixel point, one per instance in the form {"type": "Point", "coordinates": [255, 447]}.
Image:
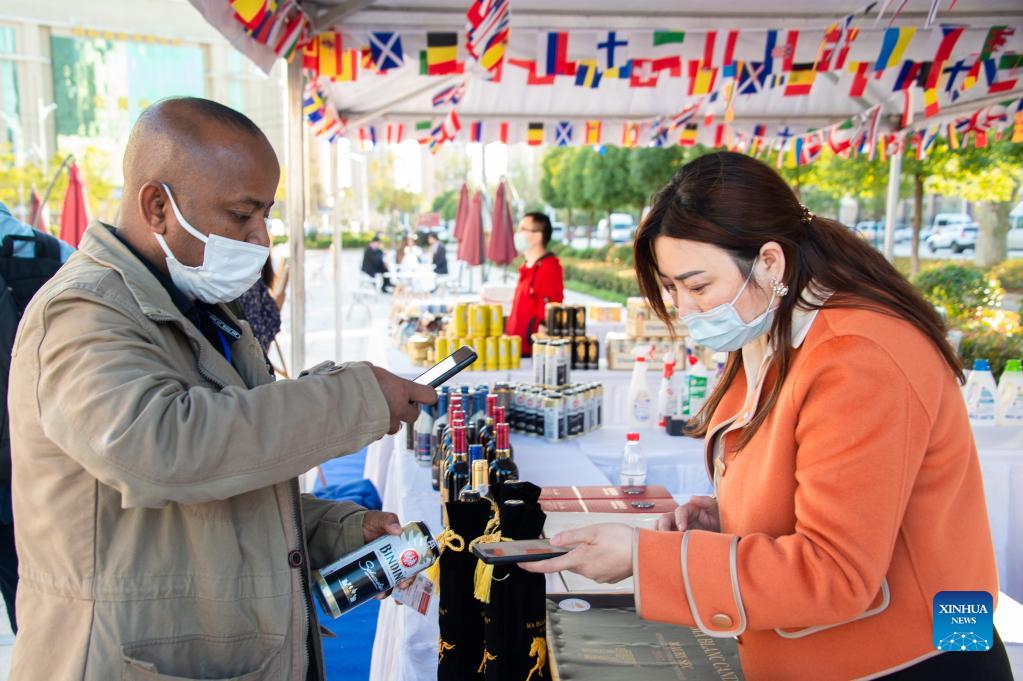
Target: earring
{"type": "Point", "coordinates": [779, 289]}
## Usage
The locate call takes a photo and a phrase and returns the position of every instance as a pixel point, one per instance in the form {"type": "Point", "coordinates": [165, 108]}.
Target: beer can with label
{"type": "Point", "coordinates": [592, 353]}
{"type": "Point", "coordinates": [518, 413]}
{"type": "Point", "coordinates": [480, 346]}
{"type": "Point", "coordinates": [564, 374]}
{"type": "Point", "coordinates": [539, 361]}
{"type": "Point", "coordinates": [579, 350]}
{"type": "Point", "coordinates": [578, 320]}
{"type": "Point", "coordinates": [552, 406]}
{"type": "Point", "coordinates": [550, 374]}
{"type": "Point", "coordinates": [442, 347]}
{"type": "Point", "coordinates": [490, 342]}
{"type": "Point", "coordinates": [459, 321]}
{"type": "Point", "coordinates": [516, 352]}
{"type": "Point", "coordinates": [483, 321]}
{"type": "Point", "coordinates": [496, 326]}
{"type": "Point", "coordinates": [553, 313]}
{"type": "Point", "coordinates": [503, 353]}
{"type": "Point", "coordinates": [473, 325]}
{"type": "Point", "coordinates": [375, 568]}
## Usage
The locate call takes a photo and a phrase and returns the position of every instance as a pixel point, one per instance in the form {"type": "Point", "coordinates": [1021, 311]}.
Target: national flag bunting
{"type": "Point", "coordinates": [593, 132]}
{"type": "Point", "coordinates": [488, 28]}
{"type": "Point", "coordinates": [554, 55]}
{"type": "Point", "coordinates": [687, 138]}
{"type": "Point", "coordinates": [442, 54]}
{"type": "Point", "coordinates": [563, 134]}
{"type": "Point", "coordinates": [452, 94]}
{"type": "Point", "coordinates": [893, 46]}
{"type": "Point", "coordinates": [800, 80]}
{"type": "Point", "coordinates": [534, 134]}
{"type": "Point", "coordinates": [385, 51]}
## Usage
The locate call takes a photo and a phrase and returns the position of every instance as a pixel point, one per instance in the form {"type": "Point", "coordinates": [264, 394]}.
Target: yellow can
{"type": "Point", "coordinates": [515, 358]}
{"type": "Point", "coordinates": [459, 321]}
{"type": "Point", "coordinates": [480, 346]}
{"type": "Point", "coordinates": [492, 353]}
{"type": "Point", "coordinates": [504, 353]}
{"type": "Point", "coordinates": [482, 321]}
{"type": "Point", "coordinates": [442, 347]}
{"type": "Point", "coordinates": [472, 329]}
{"type": "Point", "coordinates": [496, 320]}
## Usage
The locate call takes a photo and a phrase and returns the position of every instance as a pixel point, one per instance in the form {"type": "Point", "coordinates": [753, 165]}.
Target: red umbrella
{"type": "Point", "coordinates": [472, 254]}
{"type": "Point", "coordinates": [501, 249]}
{"type": "Point", "coordinates": [461, 215]}
{"type": "Point", "coordinates": [74, 217]}
{"type": "Point", "coordinates": [35, 212]}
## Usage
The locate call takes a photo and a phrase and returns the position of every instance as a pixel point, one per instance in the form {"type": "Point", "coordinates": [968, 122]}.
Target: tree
{"type": "Point", "coordinates": [606, 183]}
{"type": "Point", "coordinates": [554, 176]}
{"type": "Point", "coordinates": [575, 186]}
{"type": "Point", "coordinates": [991, 177]}
{"type": "Point", "coordinates": [651, 168]}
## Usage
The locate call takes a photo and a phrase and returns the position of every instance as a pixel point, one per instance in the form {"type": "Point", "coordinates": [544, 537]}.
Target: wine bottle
{"type": "Point", "coordinates": [457, 476]}
{"type": "Point", "coordinates": [503, 468]}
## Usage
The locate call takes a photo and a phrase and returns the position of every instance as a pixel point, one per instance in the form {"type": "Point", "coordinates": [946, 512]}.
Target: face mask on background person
{"type": "Point", "coordinates": [722, 329]}
{"type": "Point", "coordinates": [229, 267]}
{"type": "Point", "coordinates": [521, 242]}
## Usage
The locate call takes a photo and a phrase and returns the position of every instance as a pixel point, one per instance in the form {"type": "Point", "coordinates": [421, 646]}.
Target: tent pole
{"type": "Point", "coordinates": [335, 181]}
{"type": "Point", "coordinates": [296, 214]}
{"type": "Point", "coordinates": [892, 204]}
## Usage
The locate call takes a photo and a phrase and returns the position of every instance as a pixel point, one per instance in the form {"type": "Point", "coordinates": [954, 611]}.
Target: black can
{"type": "Point", "coordinates": [578, 320]}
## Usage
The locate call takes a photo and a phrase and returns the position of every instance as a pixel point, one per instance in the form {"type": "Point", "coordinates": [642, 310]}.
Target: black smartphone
{"type": "Point", "coordinates": [436, 375]}
{"type": "Point", "coordinates": [520, 551]}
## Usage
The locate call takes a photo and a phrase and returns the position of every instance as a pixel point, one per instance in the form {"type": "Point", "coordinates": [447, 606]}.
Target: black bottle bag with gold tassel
{"type": "Point", "coordinates": [515, 618]}
{"type": "Point", "coordinates": [460, 646]}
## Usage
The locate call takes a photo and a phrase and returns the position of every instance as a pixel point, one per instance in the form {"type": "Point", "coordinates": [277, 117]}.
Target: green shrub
{"type": "Point", "coordinates": [348, 240]}
{"type": "Point", "coordinates": [1009, 274]}
{"type": "Point", "coordinates": [962, 291]}
{"type": "Point", "coordinates": [994, 346]}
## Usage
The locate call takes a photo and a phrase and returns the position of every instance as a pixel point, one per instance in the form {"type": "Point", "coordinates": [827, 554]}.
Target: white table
{"type": "Point", "coordinates": [406, 642]}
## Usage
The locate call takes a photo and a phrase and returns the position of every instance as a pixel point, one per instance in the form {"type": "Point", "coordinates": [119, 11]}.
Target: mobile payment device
{"type": "Point", "coordinates": [521, 551]}
{"type": "Point", "coordinates": [439, 373]}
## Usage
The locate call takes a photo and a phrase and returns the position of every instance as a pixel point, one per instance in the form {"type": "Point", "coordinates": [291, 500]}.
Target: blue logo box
{"type": "Point", "coordinates": [963, 621]}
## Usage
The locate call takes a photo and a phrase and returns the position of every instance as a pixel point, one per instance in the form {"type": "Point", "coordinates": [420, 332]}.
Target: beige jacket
{"type": "Point", "coordinates": [160, 529]}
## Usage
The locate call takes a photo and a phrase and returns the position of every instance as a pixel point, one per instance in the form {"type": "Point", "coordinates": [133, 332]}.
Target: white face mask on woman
{"type": "Point", "coordinates": [722, 329]}
{"type": "Point", "coordinates": [229, 267]}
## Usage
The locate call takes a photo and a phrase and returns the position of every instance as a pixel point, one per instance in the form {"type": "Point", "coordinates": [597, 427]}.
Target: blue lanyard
{"type": "Point", "coordinates": [224, 345]}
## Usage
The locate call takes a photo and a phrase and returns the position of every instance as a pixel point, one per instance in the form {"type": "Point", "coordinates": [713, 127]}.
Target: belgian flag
{"type": "Point", "coordinates": [442, 54]}
{"type": "Point", "coordinates": [534, 135]}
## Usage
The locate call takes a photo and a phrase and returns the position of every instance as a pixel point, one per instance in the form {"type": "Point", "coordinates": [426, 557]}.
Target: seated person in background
{"type": "Point", "coordinates": [438, 253]}
{"type": "Point", "coordinates": [373, 263]}
{"type": "Point", "coordinates": [541, 279]}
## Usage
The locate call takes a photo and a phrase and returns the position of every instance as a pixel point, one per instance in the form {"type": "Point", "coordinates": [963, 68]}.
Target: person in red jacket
{"type": "Point", "coordinates": [541, 279]}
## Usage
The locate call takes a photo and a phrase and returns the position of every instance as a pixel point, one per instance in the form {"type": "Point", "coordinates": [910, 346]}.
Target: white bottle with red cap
{"type": "Point", "coordinates": [640, 404]}
{"type": "Point", "coordinates": [633, 471]}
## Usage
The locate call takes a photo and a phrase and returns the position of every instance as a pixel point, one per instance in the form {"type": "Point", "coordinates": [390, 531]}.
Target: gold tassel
{"type": "Point", "coordinates": [484, 573]}
{"type": "Point", "coordinates": [447, 539]}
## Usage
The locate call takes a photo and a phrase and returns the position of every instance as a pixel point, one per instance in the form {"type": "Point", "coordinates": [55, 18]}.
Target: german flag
{"type": "Point", "coordinates": [687, 138]}
{"type": "Point", "coordinates": [800, 80]}
{"type": "Point", "coordinates": [442, 54]}
{"type": "Point", "coordinates": [534, 135]}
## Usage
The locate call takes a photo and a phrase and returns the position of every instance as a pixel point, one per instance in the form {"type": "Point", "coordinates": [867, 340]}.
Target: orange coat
{"type": "Point", "coordinates": [859, 498]}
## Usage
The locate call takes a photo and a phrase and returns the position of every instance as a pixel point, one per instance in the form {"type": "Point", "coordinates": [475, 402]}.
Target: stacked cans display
{"type": "Point", "coordinates": [566, 324]}
{"type": "Point", "coordinates": [481, 327]}
{"type": "Point", "coordinates": [557, 414]}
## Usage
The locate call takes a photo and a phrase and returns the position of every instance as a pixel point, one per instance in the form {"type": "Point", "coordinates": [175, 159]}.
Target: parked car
{"type": "Point", "coordinates": [943, 221]}
{"type": "Point", "coordinates": [1014, 239]}
{"type": "Point", "coordinates": [559, 233]}
{"type": "Point", "coordinates": [868, 229]}
{"type": "Point", "coordinates": [959, 238]}
{"type": "Point", "coordinates": [620, 230]}
{"type": "Point", "coordinates": [903, 233]}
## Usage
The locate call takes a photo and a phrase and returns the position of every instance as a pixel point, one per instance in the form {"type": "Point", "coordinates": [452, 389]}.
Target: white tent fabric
{"type": "Point", "coordinates": [403, 97]}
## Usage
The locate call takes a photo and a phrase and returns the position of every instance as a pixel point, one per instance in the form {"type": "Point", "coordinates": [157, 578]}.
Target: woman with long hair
{"type": "Point", "coordinates": [848, 491]}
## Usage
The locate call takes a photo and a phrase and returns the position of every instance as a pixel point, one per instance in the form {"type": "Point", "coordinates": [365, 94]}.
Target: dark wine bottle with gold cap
{"type": "Point", "coordinates": [503, 468]}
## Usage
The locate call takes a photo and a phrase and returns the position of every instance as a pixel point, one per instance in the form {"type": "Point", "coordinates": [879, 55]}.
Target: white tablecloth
{"type": "Point", "coordinates": [405, 646]}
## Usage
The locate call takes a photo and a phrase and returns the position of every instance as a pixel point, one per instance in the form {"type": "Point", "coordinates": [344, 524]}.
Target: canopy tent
{"type": "Point", "coordinates": [658, 72]}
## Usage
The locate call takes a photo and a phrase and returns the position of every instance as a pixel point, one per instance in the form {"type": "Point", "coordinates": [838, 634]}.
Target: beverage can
{"type": "Point", "coordinates": [442, 347]}
{"type": "Point", "coordinates": [480, 346]}
{"type": "Point", "coordinates": [515, 360]}
{"type": "Point", "coordinates": [496, 326]}
{"type": "Point", "coordinates": [552, 406]}
{"type": "Point", "coordinates": [459, 320]}
{"type": "Point", "coordinates": [539, 362]}
{"type": "Point", "coordinates": [374, 568]}
{"type": "Point", "coordinates": [492, 358]}
{"type": "Point", "coordinates": [482, 315]}
{"type": "Point", "coordinates": [504, 353]}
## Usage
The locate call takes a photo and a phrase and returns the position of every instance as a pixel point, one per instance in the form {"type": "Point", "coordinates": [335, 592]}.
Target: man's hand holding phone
{"type": "Point", "coordinates": [403, 397]}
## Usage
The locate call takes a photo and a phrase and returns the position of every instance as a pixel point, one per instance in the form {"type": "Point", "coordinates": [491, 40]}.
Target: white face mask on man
{"type": "Point", "coordinates": [229, 267]}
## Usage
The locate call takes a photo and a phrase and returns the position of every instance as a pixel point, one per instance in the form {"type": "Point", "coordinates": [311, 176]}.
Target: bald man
{"type": "Point", "coordinates": [161, 532]}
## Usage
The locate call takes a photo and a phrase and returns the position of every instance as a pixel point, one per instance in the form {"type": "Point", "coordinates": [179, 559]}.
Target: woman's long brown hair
{"type": "Point", "coordinates": [738, 204]}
